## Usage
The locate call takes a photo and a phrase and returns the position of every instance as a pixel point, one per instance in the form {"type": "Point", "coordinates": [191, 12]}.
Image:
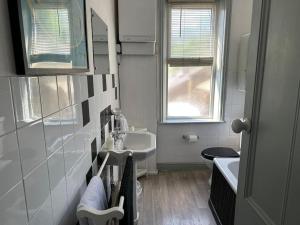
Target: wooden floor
{"type": "Point", "coordinates": [175, 198]}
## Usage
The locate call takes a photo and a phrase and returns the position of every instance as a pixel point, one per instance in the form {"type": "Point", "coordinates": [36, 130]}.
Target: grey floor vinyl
{"type": "Point", "coordinates": [175, 198]}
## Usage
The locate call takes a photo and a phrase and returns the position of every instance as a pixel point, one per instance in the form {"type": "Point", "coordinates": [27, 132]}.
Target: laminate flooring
{"type": "Point", "coordinates": [175, 198]}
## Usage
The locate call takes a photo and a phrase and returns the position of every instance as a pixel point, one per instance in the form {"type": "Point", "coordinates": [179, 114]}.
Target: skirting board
{"type": "Point", "coordinates": [181, 166]}
{"type": "Point", "coordinates": [152, 172]}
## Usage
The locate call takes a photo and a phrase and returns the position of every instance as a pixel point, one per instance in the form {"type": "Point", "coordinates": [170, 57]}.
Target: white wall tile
{"type": "Point", "coordinates": [37, 189]}
{"type": "Point", "coordinates": [79, 139]}
{"type": "Point", "coordinates": [208, 141]}
{"type": "Point", "coordinates": [67, 123]}
{"type": "Point", "coordinates": [98, 104]}
{"type": "Point", "coordinates": [98, 138]}
{"type": "Point", "coordinates": [78, 120]}
{"type": "Point", "coordinates": [63, 91]}
{"type": "Point", "coordinates": [77, 173]}
{"type": "Point", "coordinates": [56, 167]}
{"type": "Point", "coordinates": [59, 201]}
{"type": "Point", "coordinates": [81, 135]}
{"type": "Point", "coordinates": [58, 185]}
{"type": "Point", "coordinates": [74, 157]}
{"type": "Point", "coordinates": [83, 88]}
{"type": "Point", "coordinates": [74, 182]}
{"type": "Point", "coordinates": [70, 154]}
{"type": "Point", "coordinates": [53, 132]}
{"type": "Point", "coordinates": [7, 121]}
{"type": "Point", "coordinates": [31, 145]}
{"type": "Point", "coordinates": [10, 167]}
{"type": "Point", "coordinates": [100, 83]}
{"type": "Point", "coordinates": [92, 108]}
{"type": "Point", "coordinates": [87, 144]}
{"type": "Point", "coordinates": [27, 102]}
{"type": "Point", "coordinates": [75, 89]}
{"type": "Point", "coordinates": [97, 87]}
{"type": "Point", "coordinates": [229, 141]}
{"type": "Point", "coordinates": [44, 214]}
{"type": "Point", "coordinates": [13, 208]}
{"type": "Point", "coordinates": [49, 95]}
{"type": "Point", "coordinates": [173, 149]}
{"type": "Point", "coordinates": [71, 90]}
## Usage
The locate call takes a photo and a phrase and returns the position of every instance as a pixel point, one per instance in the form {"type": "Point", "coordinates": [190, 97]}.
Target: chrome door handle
{"type": "Point", "coordinates": [238, 126]}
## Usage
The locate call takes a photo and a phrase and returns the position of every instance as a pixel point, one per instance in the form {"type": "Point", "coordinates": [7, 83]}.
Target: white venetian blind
{"type": "Point", "coordinates": [50, 31]}
{"type": "Point", "coordinates": [191, 31]}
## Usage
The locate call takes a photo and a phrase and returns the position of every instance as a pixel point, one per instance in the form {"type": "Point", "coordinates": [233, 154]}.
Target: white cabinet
{"type": "Point", "coordinates": [137, 20]}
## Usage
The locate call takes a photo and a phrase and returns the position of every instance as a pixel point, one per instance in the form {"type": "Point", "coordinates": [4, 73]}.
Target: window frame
{"type": "Point", "coordinates": [218, 78]}
{"type": "Point", "coordinates": [193, 61]}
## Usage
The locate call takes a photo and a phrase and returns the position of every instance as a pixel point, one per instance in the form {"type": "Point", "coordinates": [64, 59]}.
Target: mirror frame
{"type": "Point", "coordinates": [21, 63]}
{"type": "Point", "coordinates": [93, 15]}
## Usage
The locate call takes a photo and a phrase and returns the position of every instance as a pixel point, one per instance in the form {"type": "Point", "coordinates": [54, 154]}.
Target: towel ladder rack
{"type": "Point", "coordinates": [103, 164]}
{"type": "Point", "coordinates": [101, 217]}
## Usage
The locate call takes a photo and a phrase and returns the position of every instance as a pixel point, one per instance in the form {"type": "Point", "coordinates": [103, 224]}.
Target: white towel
{"type": "Point", "coordinates": [94, 197]}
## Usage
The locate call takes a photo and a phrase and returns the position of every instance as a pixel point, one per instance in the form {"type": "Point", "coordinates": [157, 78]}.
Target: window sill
{"type": "Point", "coordinates": [191, 121]}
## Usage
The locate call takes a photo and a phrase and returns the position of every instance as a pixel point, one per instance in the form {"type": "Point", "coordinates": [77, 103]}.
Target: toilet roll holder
{"type": "Point", "coordinates": [190, 137]}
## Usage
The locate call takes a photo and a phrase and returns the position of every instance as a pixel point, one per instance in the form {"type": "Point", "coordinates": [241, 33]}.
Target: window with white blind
{"type": "Point", "coordinates": [192, 32]}
{"type": "Point", "coordinates": [191, 91]}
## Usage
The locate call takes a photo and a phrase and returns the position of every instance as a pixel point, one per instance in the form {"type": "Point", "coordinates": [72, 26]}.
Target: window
{"type": "Point", "coordinates": [192, 89]}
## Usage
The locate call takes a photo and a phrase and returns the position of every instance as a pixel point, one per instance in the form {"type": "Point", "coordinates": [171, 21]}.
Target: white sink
{"type": "Point", "coordinates": [142, 144]}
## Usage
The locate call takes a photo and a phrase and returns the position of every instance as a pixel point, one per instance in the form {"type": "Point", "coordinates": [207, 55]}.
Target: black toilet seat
{"type": "Point", "coordinates": [219, 152]}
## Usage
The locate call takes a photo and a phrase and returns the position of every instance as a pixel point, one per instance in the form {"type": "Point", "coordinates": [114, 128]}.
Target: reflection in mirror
{"type": "Point", "coordinates": [53, 34]}
{"type": "Point", "coordinates": [63, 91]}
{"type": "Point", "coordinates": [27, 101]}
{"type": "Point", "coordinates": [100, 45]}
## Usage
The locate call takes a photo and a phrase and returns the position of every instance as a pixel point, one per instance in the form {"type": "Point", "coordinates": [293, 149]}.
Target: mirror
{"type": "Point", "coordinates": [100, 45]}
{"type": "Point", "coordinates": [51, 34]}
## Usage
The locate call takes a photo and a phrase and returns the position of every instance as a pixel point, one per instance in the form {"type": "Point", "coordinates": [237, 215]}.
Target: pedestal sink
{"type": "Point", "coordinates": [142, 144]}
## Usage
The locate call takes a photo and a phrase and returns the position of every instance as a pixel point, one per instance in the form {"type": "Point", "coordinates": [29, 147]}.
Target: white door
{"type": "Point", "coordinates": [269, 182]}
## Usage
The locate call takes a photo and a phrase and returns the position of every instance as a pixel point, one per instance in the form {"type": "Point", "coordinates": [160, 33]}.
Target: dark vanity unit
{"type": "Point", "coordinates": [222, 199]}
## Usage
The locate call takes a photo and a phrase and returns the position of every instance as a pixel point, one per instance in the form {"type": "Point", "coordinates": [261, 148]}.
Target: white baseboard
{"type": "Point", "coordinates": [152, 172]}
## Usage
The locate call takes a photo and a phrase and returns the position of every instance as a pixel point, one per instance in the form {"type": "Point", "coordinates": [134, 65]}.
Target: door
{"type": "Point", "coordinates": [269, 183]}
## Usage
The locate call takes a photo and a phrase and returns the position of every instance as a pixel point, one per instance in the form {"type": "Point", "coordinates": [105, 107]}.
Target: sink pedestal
{"type": "Point", "coordinates": [142, 145]}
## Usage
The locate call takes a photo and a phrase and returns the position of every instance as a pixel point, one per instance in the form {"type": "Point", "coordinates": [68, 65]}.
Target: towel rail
{"type": "Point", "coordinates": [103, 164]}
{"type": "Point", "coordinates": [101, 217]}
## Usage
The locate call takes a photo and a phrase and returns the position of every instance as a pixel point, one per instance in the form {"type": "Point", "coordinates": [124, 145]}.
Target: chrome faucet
{"type": "Point", "coordinates": [117, 135]}
{"type": "Point", "coordinates": [116, 113]}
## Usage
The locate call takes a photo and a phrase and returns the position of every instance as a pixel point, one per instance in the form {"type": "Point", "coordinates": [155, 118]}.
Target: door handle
{"type": "Point", "coordinates": [238, 125]}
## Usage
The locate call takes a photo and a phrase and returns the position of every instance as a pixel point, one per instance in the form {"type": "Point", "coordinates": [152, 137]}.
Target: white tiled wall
{"type": "Point", "coordinates": [45, 152]}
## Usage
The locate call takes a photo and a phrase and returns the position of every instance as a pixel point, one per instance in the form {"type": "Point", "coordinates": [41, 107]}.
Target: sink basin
{"type": "Point", "coordinates": [142, 144]}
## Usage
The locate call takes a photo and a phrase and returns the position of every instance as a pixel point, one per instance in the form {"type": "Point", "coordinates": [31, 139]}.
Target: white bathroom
{"type": "Point", "coordinates": [149, 112]}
